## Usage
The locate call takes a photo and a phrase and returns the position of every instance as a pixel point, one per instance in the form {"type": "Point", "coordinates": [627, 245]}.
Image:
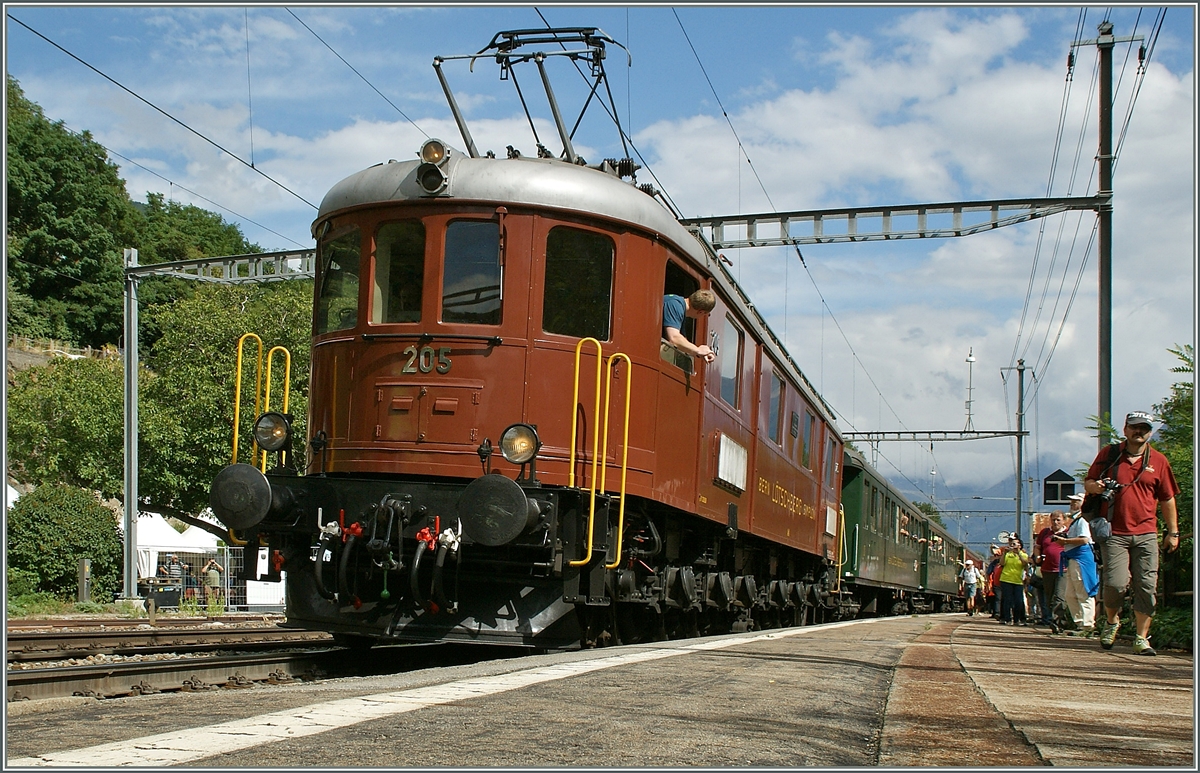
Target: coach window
{"type": "Point", "coordinates": [831, 464]}
{"type": "Point", "coordinates": [399, 272]}
{"type": "Point", "coordinates": [731, 363]}
{"type": "Point", "coordinates": [471, 280]}
{"type": "Point", "coordinates": [775, 411]}
{"type": "Point", "coordinates": [810, 424]}
{"type": "Point", "coordinates": [577, 298]}
{"type": "Point", "coordinates": [337, 301]}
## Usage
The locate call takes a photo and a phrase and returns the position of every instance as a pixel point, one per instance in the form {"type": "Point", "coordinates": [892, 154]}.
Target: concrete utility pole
{"type": "Point", "coordinates": [1104, 356]}
{"type": "Point", "coordinates": [1020, 438]}
{"type": "Point", "coordinates": [1104, 44]}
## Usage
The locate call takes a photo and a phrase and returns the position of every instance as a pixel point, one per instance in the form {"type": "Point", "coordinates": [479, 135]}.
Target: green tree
{"type": "Point", "coordinates": [66, 418]}
{"type": "Point", "coordinates": [195, 366]}
{"type": "Point", "coordinates": [64, 424]}
{"type": "Point", "coordinates": [931, 510]}
{"type": "Point", "coordinates": [68, 219]}
{"type": "Point", "coordinates": [50, 529]}
{"type": "Point", "coordinates": [169, 231]}
{"type": "Point", "coordinates": [1176, 438]}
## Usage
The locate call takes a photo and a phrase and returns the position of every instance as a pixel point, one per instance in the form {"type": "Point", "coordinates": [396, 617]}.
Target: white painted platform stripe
{"type": "Point", "coordinates": [188, 745]}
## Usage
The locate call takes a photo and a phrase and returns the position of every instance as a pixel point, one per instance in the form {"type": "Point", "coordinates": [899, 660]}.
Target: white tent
{"type": "Point", "coordinates": [10, 496]}
{"type": "Point", "coordinates": [155, 536]}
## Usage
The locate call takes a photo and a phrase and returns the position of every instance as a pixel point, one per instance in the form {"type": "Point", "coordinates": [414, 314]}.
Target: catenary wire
{"type": "Point", "coordinates": [145, 101]}
{"type": "Point", "coordinates": [356, 72]}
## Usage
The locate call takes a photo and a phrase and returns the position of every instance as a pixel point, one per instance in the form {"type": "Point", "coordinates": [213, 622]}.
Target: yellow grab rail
{"type": "Point", "coordinates": [595, 443]}
{"type": "Point", "coordinates": [287, 386]}
{"type": "Point", "coordinates": [237, 394]}
{"type": "Point", "coordinates": [599, 452]}
{"type": "Point", "coordinates": [624, 447]}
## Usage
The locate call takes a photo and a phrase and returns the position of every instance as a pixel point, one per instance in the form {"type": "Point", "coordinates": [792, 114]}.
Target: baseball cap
{"type": "Point", "coordinates": [1139, 417]}
{"type": "Point", "coordinates": [1076, 497]}
{"type": "Point", "coordinates": [970, 562]}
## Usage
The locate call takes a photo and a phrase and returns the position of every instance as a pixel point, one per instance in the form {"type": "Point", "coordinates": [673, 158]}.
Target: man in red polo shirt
{"type": "Point", "coordinates": [1144, 481]}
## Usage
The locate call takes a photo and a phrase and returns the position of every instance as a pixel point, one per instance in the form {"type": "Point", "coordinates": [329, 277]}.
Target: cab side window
{"type": "Point", "coordinates": [471, 281]}
{"type": "Point", "coordinates": [339, 263]}
{"type": "Point", "coordinates": [577, 297]}
{"type": "Point", "coordinates": [730, 355]}
{"type": "Point", "coordinates": [399, 272]}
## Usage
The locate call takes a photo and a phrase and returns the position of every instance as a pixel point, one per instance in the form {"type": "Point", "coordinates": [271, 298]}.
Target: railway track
{"type": "Point", "coordinates": [25, 646]}
{"type": "Point", "coordinates": [121, 678]}
{"type": "Point", "coordinates": [123, 661]}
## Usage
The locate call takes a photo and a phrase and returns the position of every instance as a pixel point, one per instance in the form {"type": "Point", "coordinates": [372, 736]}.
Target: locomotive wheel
{"type": "Point", "coordinates": [633, 622]}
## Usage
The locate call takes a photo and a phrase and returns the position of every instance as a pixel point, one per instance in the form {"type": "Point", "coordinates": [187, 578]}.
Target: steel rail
{"type": "Point", "coordinates": [57, 645]}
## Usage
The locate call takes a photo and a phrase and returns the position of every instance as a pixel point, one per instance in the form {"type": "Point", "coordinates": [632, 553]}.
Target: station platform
{"type": "Point", "coordinates": [918, 691]}
{"type": "Point", "coordinates": [972, 692]}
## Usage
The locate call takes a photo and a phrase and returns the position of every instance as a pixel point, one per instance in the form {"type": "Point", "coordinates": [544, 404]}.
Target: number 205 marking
{"type": "Point", "coordinates": [424, 359]}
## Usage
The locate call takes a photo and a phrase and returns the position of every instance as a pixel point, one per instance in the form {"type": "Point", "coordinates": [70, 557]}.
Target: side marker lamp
{"type": "Point", "coordinates": [520, 443]}
{"type": "Point", "coordinates": [272, 431]}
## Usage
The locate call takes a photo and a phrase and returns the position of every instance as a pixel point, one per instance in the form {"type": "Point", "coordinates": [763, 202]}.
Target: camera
{"type": "Point", "coordinates": [1111, 487]}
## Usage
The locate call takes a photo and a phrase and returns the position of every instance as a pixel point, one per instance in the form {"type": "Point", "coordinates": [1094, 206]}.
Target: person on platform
{"type": "Point", "coordinates": [675, 309]}
{"type": "Point", "coordinates": [1013, 560]}
{"type": "Point", "coordinates": [1079, 582]}
{"type": "Point", "coordinates": [992, 578]}
{"type": "Point", "coordinates": [970, 577]}
{"type": "Point", "coordinates": [212, 580]}
{"type": "Point", "coordinates": [1140, 481]}
{"type": "Point", "coordinates": [1046, 552]}
{"type": "Point", "coordinates": [175, 569]}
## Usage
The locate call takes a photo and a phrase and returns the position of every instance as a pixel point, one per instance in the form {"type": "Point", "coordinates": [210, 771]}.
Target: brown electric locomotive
{"type": "Point", "coordinates": [504, 448]}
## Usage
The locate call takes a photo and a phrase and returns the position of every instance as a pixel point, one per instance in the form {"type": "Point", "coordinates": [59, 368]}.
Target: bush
{"type": "Point", "coordinates": [49, 530]}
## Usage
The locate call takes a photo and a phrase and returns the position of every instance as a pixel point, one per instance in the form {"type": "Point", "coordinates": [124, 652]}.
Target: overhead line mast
{"type": "Point", "coordinates": [1104, 43]}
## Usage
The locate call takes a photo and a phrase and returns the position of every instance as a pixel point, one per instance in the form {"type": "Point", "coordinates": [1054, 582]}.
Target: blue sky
{"type": "Point", "coordinates": [834, 106]}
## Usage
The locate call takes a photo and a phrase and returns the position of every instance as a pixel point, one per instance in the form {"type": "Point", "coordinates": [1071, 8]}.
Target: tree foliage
{"type": "Point", "coordinates": [68, 219]}
{"type": "Point", "coordinates": [195, 366]}
{"type": "Point", "coordinates": [66, 419]}
{"type": "Point", "coordinates": [1176, 438]}
{"type": "Point", "coordinates": [50, 529]}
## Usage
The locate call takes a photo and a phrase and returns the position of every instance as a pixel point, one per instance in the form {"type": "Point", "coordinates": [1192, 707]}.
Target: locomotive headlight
{"type": "Point", "coordinates": [431, 178]}
{"type": "Point", "coordinates": [434, 152]}
{"type": "Point", "coordinates": [272, 431]}
{"type": "Point", "coordinates": [519, 443]}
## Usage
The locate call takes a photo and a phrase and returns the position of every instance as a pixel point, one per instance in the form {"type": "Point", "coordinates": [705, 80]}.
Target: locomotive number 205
{"type": "Point", "coordinates": [424, 359]}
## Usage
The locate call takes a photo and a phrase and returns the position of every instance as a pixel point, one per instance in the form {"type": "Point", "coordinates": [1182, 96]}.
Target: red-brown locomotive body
{"type": "Point", "coordinates": [455, 299]}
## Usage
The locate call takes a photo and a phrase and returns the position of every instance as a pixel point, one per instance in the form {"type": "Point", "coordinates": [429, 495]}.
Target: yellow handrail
{"type": "Point", "coordinates": [237, 394]}
{"type": "Point", "coordinates": [624, 446]}
{"type": "Point", "coordinates": [595, 443]}
{"type": "Point", "coordinates": [841, 553]}
{"type": "Point", "coordinates": [287, 386]}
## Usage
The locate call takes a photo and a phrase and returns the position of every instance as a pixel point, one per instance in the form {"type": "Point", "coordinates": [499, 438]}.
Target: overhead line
{"type": "Point", "coordinates": [624, 136]}
{"type": "Point", "coordinates": [812, 279]}
{"type": "Point", "coordinates": [356, 72]}
{"type": "Point", "coordinates": [163, 112]}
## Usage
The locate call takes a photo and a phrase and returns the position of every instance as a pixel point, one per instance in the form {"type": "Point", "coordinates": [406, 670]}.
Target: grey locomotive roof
{"type": "Point", "coordinates": [545, 182]}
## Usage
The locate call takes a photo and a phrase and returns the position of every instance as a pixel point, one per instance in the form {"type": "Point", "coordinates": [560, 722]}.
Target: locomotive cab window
{"type": "Point", "coordinates": [577, 298]}
{"type": "Point", "coordinates": [340, 264]}
{"type": "Point", "coordinates": [399, 272]}
{"type": "Point", "coordinates": [471, 275]}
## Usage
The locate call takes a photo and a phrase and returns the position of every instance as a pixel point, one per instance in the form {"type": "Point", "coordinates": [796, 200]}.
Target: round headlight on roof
{"type": "Point", "coordinates": [272, 431]}
{"type": "Point", "coordinates": [434, 151]}
{"type": "Point", "coordinates": [520, 443]}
